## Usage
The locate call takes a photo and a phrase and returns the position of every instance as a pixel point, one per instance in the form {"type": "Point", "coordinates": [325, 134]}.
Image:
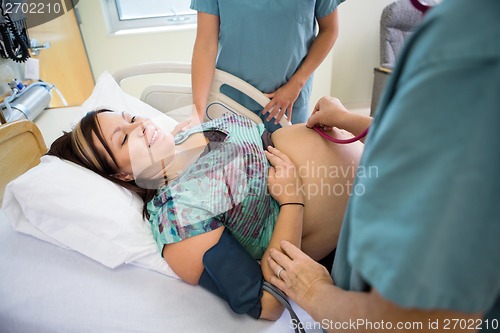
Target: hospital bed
{"type": "Point", "coordinates": [86, 271]}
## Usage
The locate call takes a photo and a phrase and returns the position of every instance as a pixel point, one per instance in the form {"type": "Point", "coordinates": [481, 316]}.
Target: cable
{"type": "Point", "coordinates": [16, 47]}
{"type": "Point", "coordinates": [63, 100]}
{"type": "Point", "coordinates": [281, 297]}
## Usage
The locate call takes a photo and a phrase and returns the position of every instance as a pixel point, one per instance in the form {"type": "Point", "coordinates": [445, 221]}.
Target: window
{"type": "Point", "coordinates": [133, 16]}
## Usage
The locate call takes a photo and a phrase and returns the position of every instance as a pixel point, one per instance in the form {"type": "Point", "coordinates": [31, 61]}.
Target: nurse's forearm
{"type": "Point", "coordinates": [354, 123]}
{"type": "Point", "coordinates": [203, 61]}
{"type": "Point", "coordinates": [322, 45]}
{"type": "Point", "coordinates": [353, 311]}
{"type": "Point", "coordinates": [203, 68]}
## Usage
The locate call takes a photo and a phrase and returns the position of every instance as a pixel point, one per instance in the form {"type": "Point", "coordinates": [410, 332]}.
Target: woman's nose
{"type": "Point", "coordinates": [138, 126]}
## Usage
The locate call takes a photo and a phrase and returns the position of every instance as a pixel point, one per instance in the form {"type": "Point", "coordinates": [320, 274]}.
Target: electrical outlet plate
{"type": "Point", "coordinates": [32, 69]}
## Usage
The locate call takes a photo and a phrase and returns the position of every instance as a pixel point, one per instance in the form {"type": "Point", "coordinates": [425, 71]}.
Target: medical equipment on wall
{"type": "Point", "coordinates": [27, 102]}
{"type": "Point", "coordinates": [14, 40]}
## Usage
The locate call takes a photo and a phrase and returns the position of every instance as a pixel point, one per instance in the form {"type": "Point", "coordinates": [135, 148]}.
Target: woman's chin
{"type": "Point", "coordinates": [151, 178]}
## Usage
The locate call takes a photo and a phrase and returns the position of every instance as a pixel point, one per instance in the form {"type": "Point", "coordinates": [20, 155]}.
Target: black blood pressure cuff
{"type": "Point", "coordinates": [234, 275]}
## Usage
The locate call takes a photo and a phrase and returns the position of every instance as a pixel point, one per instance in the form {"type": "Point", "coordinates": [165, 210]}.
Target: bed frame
{"type": "Point", "coordinates": [167, 97]}
{"type": "Point", "coordinates": [21, 146]}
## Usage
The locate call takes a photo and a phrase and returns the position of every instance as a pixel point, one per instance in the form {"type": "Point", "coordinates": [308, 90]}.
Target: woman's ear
{"type": "Point", "coordinates": [126, 177]}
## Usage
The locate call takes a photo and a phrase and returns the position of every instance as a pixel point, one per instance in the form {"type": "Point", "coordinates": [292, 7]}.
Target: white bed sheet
{"type": "Point", "coordinates": [45, 288]}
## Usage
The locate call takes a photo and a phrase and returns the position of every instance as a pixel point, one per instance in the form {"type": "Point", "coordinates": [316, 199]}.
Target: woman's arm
{"type": "Point", "coordinates": [284, 186]}
{"type": "Point", "coordinates": [185, 257]}
{"type": "Point", "coordinates": [203, 61]}
{"type": "Point", "coordinates": [286, 95]}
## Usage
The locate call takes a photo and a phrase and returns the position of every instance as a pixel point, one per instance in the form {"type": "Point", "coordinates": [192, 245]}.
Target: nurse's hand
{"type": "Point", "coordinates": [193, 120]}
{"type": "Point", "coordinates": [328, 112]}
{"type": "Point", "coordinates": [282, 101]}
{"type": "Point", "coordinates": [185, 125]}
{"type": "Point", "coordinates": [296, 274]}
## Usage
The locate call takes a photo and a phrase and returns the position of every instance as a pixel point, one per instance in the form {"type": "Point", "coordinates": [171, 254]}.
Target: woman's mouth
{"type": "Point", "coordinates": [153, 138]}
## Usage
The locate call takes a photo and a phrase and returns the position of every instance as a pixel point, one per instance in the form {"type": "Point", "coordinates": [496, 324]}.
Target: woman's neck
{"type": "Point", "coordinates": [186, 154]}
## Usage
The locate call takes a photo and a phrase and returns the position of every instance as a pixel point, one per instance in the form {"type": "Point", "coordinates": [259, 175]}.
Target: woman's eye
{"type": "Point", "coordinates": [125, 138]}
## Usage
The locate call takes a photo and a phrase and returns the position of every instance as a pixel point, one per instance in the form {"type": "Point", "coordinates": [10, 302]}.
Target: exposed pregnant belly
{"type": "Point", "coordinates": [327, 171]}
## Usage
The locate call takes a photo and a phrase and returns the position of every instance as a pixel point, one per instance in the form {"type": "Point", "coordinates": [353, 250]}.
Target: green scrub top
{"type": "Point", "coordinates": [423, 226]}
{"type": "Point", "coordinates": [264, 42]}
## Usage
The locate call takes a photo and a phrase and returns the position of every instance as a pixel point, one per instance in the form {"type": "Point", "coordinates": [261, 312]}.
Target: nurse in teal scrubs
{"type": "Point", "coordinates": [275, 45]}
{"type": "Point", "coordinates": [420, 241]}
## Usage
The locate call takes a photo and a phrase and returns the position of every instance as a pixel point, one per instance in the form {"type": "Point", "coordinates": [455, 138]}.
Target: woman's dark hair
{"type": "Point", "coordinates": [78, 146]}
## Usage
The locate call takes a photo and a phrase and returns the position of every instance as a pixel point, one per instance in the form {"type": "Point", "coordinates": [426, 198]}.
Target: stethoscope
{"type": "Point", "coordinates": [422, 7]}
{"type": "Point", "coordinates": [341, 141]}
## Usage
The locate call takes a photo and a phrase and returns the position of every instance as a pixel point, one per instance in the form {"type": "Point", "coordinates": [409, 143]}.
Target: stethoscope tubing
{"type": "Point", "coordinates": [341, 141]}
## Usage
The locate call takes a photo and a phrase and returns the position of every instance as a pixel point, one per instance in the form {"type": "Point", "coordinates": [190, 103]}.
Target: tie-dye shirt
{"type": "Point", "coordinates": [226, 186]}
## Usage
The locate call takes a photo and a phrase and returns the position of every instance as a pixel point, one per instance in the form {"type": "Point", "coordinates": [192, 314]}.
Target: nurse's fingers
{"type": "Point", "coordinates": [275, 111]}
{"type": "Point", "coordinates": [279, 283]}
{"type": "Point", "coordinates": [288, 111]}
{"type": "Point", "coordinates": [271, 103]}
{"type": "Point", "coordinates": [278, 259]}
{"type": "Point", "coordinates": [316, 120]}
{"type": "Point", "coordinates": [273, 264]}
{"type": "Point", "coordinates": [291, 250]}
{"type": "Point", "coordinates": [289, 115]}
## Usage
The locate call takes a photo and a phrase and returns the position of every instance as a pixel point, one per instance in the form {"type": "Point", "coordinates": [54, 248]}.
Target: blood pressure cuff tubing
{"type": "Point", "coordinates": [234, 275]}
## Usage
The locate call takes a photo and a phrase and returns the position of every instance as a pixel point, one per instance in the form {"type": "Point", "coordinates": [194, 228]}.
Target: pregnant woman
{"type": "Point", "coordinates": [225, 179]}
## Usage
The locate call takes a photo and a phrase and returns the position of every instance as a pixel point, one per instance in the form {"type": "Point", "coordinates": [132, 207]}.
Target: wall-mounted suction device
{"type": "Point", "coordinates": [27, 102]}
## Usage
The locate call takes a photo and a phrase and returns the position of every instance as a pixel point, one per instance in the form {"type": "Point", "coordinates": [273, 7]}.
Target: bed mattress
{"type": "Point", "coordinates": [45, 288]}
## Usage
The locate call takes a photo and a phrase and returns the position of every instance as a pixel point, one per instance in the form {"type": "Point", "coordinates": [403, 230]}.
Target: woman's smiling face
{"type": "Point", "coordinates": [137, 144]}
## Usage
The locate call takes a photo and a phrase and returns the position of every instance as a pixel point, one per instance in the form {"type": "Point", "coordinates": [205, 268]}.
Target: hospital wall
{"type": "Point", "coordinates": [346, 73]}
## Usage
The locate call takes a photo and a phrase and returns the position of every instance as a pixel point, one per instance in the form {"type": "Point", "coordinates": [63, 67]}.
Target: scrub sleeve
{"type": "Point", "coordinates": [264, 42]}
{"type": "Point", "coordinates": [423, 227]}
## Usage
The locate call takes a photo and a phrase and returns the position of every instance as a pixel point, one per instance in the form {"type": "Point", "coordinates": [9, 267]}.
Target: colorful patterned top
{"type": "Point", "coordinates": [226, 186]}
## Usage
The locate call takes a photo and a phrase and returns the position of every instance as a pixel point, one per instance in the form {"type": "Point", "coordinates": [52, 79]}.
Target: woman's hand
{"type": "Point", "coordinates": [282, 101]}
{"type": "Point", "coordinates": [296, 274]}
{"type": "Point", "coordinates": [283, 182]}
{"type": "Point", "coordinates": [327, 113]}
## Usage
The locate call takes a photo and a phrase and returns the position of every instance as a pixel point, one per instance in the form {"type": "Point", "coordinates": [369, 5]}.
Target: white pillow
{"type": "Point", "coordinates": [107, 94]}
{"type": "Point", "coordinates": [70, 206]}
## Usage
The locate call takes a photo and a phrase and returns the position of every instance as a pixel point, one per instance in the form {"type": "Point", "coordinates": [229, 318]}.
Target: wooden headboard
{"type": "Point", "coordinates": [21, 146]}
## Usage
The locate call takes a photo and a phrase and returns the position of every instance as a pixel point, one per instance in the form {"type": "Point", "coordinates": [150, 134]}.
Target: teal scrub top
{"type": "Point", "coordinates": [264, 42]}
{"type": "Point", "coordinates": [423, 227]}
